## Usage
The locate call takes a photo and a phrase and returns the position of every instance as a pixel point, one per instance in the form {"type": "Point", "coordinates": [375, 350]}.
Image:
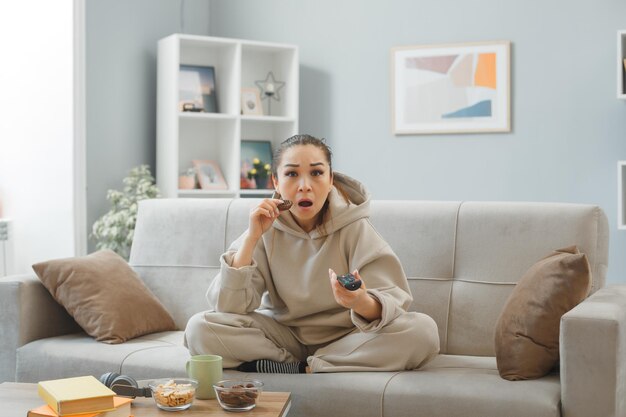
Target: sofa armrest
{"type": "Point", "coordinates": [28, 313]}
{"type": "Point", "coordinates": [593, 354]}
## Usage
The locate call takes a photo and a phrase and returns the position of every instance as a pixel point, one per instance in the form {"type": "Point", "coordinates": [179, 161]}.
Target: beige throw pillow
{"type": "Point", "coordinates": [105, 296]}
{"type": "Point", "coordinates": [527, 332]}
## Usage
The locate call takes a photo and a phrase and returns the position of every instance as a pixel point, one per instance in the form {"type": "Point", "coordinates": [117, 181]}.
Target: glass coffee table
{"type": "Point", "coordinates": [17, 398]}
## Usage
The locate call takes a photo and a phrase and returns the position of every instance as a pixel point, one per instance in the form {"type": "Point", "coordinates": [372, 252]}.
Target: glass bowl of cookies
{"type": "Point", "coordinates": [238, 394]}
{"type": "Point", "coordinates": [173, 394]}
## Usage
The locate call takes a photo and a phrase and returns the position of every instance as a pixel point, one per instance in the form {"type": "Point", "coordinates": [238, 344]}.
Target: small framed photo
{"type": "Point", "coordinates": [251, 102]}
{"type": "Point", "coordinates": [456, 88]}
{"type": "Point", "coordinates": [256, 164]}
{"type": "Point", "coordinates": [209, 175]}
{"type": "Point", "coordinates": [197, 89]}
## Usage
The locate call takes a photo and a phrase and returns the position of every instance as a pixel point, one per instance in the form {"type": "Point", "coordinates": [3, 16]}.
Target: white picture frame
{"type": "Point", "coordinates": [209, 175]}
{"type": "Point", "coordinates": [251, 102]}
{"type": "Point", "coordinates": [451, 88]}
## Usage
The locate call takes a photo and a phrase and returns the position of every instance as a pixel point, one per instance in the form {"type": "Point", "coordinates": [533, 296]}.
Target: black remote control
{"type": "Point", "coordinates": [349, 282]}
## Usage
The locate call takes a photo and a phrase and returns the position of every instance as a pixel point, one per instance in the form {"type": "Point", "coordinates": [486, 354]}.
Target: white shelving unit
{"type": "Point", "coordinates": [621, 195]}
{"type": "Point", "coordinates": [621, 71]}
{"type": "Point", "coordinates": [185, 136]}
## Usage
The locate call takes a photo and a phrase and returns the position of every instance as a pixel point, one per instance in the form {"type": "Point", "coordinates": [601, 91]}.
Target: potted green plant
{"type": "Point", "coordinates": [261, 173]}
{"type": "Point", "coordinates": [115, 229]}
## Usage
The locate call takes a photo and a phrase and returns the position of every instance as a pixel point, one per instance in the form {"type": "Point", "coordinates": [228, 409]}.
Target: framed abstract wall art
{"type": "Point", "coordinates": [456, 88]}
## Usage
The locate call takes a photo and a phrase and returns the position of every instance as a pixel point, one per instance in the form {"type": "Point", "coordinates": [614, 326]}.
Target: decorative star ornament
{"type": "Point", "coordinates": [270, 88]}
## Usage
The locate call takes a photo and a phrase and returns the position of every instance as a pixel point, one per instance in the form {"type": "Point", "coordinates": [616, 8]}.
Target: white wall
{"type": "Point", "coordinates": [36, 131]}
{"type": "Point", "coordinates": [568, 128]}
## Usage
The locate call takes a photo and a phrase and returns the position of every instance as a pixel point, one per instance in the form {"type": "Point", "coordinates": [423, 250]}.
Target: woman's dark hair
{"type": "Point", "coordinates": [301, 140]}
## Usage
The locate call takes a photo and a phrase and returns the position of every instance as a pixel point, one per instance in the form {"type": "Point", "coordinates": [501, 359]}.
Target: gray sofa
{"type": "Point", "coordinates": [462, 261]}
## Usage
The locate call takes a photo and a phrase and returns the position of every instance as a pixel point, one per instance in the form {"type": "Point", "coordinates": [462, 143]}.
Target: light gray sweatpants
{"type": "Point", "coordinates": [407, 342]}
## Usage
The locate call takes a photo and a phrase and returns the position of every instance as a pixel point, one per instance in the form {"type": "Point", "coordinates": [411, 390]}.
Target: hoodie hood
{"type": "Point", "coordinates": [340, 211]}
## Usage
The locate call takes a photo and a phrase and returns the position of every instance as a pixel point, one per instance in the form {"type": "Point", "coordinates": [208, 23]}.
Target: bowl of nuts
{"type": "Point", "coordinates": [173, 394]}
{"type": "Point", "coordinates": [238, 394]}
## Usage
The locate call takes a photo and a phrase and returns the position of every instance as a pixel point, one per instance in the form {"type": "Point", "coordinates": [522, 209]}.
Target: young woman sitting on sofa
{"type": "Point", "coordinates": [277, 305]}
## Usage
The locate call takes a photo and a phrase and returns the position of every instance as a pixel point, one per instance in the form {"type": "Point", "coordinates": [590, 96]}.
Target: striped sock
{"type": "Point", "coordinates": [267, 366]}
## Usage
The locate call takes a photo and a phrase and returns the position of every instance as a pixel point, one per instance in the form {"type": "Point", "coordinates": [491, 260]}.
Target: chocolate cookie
{"type": "Point", "coordinates": [285, 205]}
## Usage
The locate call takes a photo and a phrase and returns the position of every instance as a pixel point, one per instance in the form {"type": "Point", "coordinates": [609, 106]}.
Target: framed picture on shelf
{"type": "Point", "coordinates": [251, 102]}
{"type": "Point", "coordinates": [197, 89]}
{"type": "Point", "coordinates": [209, 175]}
{"type": "Point", "coordinates": [457, 88]}
{"type": "Point", "coordinates": [256, 164]}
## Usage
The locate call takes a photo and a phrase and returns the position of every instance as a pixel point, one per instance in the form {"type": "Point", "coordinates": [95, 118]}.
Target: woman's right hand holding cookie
{"type": "Point", "coordinates": [262, 217]}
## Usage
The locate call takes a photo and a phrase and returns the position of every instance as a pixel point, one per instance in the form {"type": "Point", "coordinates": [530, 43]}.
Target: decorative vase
{"type": "Point", "coordinates": [186, 182]}
{"type": "Point", "coordinates": [246, 184]}
{"type": "Point", "coordinates": [263, 183]}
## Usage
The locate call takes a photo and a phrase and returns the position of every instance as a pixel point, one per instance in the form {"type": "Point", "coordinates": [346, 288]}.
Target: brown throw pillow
{"type": "Point", "coordinates": [527, 332]}
{"type": "Point", "coordinates": [105, 296]}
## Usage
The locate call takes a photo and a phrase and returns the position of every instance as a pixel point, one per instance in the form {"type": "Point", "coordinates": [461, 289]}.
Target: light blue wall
{"type": "Point", "coordinates": [121, 52]}
{"type": "Point", "coordinates": [569, 130]}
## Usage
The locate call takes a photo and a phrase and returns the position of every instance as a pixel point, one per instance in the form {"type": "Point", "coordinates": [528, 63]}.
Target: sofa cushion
{"type": "Point", "coordinates": [496, 243]}
{"type": "Point", "coordinates": [527, 332]}
{"type": "Point", "coordinates": [105, 296]}
{"type": "Point", "coordinates": [78, 354]}
{"type": "Point", "coordinates": [178, 242]}
{"type": "Point", "coordinates": [340, 394]}
{"type": "Point", "coordinates": [157, 355]}
{"type": "Point", "coordinates": [449, 385]}
{"type": "Point", "coordinates": [180, 304]}
{"type": "Point", "coordinates": [468, 386]}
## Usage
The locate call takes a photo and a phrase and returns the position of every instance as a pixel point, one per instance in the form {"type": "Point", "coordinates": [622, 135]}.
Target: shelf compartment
{"type": "Point", "coordinates": [210, 139]}
{"type": "Point", "coordinates": [258, 60]}
{"type": "Point", "coordinates": [221, 54]}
